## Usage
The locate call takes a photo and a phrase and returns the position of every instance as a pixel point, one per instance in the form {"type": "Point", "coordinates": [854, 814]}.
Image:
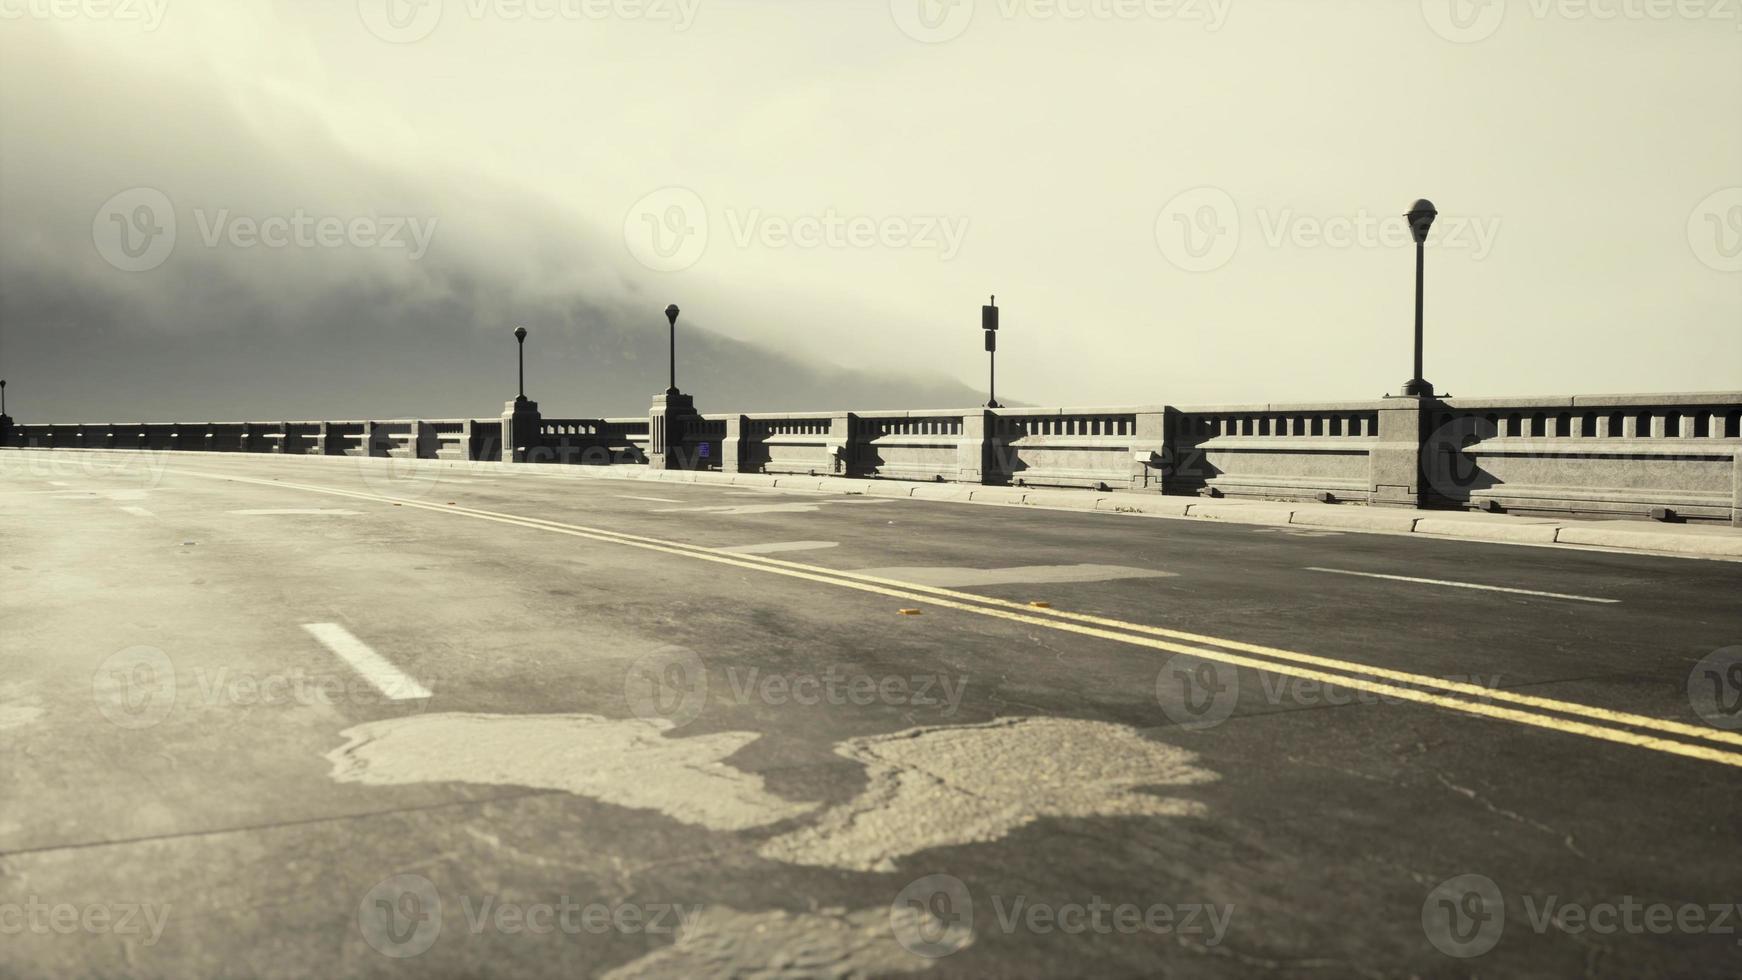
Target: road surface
{"type": "Point", "coordinates": [331, 717]}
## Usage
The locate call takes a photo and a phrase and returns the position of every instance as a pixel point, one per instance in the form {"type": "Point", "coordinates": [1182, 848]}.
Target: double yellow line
{"type": "Point", "coordinates": [1657, 734]}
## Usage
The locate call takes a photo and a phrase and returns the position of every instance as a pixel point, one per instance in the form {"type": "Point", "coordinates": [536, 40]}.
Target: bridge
{"type": "Point", "coordinates": [1409, 686]}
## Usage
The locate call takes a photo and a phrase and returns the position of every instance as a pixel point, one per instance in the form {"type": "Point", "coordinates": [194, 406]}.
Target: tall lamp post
{"type": "Point", "coordinates": [2, 396]}
{"type": "Point", "coordinates": [520, 338]}
{"type": "Point", "coordinates": [1421, 218]}
{"type": "Point", "coordinates": [989, 323]}
{"type": "Point", "coordinates": [671, 313]}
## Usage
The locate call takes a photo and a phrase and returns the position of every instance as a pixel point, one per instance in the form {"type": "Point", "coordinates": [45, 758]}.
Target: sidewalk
{"type": "Point", "coordinates": [1686, 540]}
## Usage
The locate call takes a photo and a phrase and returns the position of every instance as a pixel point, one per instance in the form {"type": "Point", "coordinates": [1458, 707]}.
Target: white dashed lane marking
{"type": "Point", "coordinates": [396, 684]}
{"type": "Point", "coordinates": [138, 512]}
{"type": "Point", "coordinates": [1464, 585]}
{"type": "Point", "coordinates": [326, 512]}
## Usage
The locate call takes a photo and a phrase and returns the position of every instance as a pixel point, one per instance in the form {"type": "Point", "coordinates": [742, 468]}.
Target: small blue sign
{"type": "Point", "coordinates": [704, 450]}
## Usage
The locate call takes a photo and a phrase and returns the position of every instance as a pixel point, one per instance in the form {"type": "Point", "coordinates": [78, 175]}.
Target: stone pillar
{"type": "Point", "coordinates": [1394, 468]}
{"type": "Point", "coordinates": [732, 446]}
{"type": "Point", "coordinates": [665, 423]}
{"type": "Point", "coordinates": [1148, 451]}
{"type": "Point", "coordinates": [840, 446]}
{"type": "Point", "coordinates": [975, 446]}
{"type": "Point", "coordinates": [423, 440]}
{"type": "Point", "coordinates": [1736, 487]}
{"type": "Point", "coordinates": [520, 420]}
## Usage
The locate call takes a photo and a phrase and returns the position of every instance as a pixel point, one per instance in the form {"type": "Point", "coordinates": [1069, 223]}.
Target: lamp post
{"type": "Point", "coordinates": [2, 396]}
{"type": "Point", "coordinates": [520, 338]}
{"type": "Point", "coordinates": [1421, 218]}
{"type": "Point", "coordinates": [671, 313]}
{"type": "Point", "coordinates": [989, 323]}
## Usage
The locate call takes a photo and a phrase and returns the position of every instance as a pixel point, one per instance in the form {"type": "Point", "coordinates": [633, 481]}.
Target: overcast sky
{"type": "Point", "coordinates": [1186, 202]}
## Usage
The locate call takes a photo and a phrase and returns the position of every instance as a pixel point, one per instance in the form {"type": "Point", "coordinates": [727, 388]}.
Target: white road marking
{"type": "Point", "coordinates": [329, 512]}
{"type": "Point", "coordinates": [1464, 585]}
{"type": "Point", "coordinates": [657, 500]}
{"type": "Point", "coordinates": [138, 512]}
{"type": "Point", "coordinates": [388, 679]}
{"type": "Point", "coordinates": [58, 483]}
{"type": "Point", "coordinates": [775, 547]}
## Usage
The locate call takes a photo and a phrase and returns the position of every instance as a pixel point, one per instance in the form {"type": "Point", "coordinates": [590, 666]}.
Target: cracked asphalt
{"type": "Point", "coordinates": [288, 717]}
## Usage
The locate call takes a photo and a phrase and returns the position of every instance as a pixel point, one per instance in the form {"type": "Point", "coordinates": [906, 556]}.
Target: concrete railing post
{"type": "Point", "coordinates": [975, 446]}
{"type": "Point", "coordinates": [665, 429]}
{"type": "Point", "coordinates": [423, 440]}
{"type": "Point", "coordinates": [520, 421]}
{"type": "Point", "coordinates": [1395, 465]}
{"type": "Point", "coordinates": [840, 448]}
{"type": "Point", "coordinates": [1148, 450]}
{"type": "Point", "coordinates": [1736, 487]}
{"type": "Point", "coordinates": [732, 445]}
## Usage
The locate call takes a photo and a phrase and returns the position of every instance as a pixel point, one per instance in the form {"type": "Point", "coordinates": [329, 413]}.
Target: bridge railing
{"type": "Point", "coordinates": [1675, 456]}
{"type": "Point", "coordinates": [1278, 452]}
{"type": "Point", "coordinates": [1609, 455]}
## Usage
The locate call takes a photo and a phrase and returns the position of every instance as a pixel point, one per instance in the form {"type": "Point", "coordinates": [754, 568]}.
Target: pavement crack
{"type": "Point", "coordinates": [1468, 793]}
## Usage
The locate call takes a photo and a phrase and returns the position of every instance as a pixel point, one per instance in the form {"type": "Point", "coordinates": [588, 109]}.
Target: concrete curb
{"type": "Point", "coordinates": [1678, 541]}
